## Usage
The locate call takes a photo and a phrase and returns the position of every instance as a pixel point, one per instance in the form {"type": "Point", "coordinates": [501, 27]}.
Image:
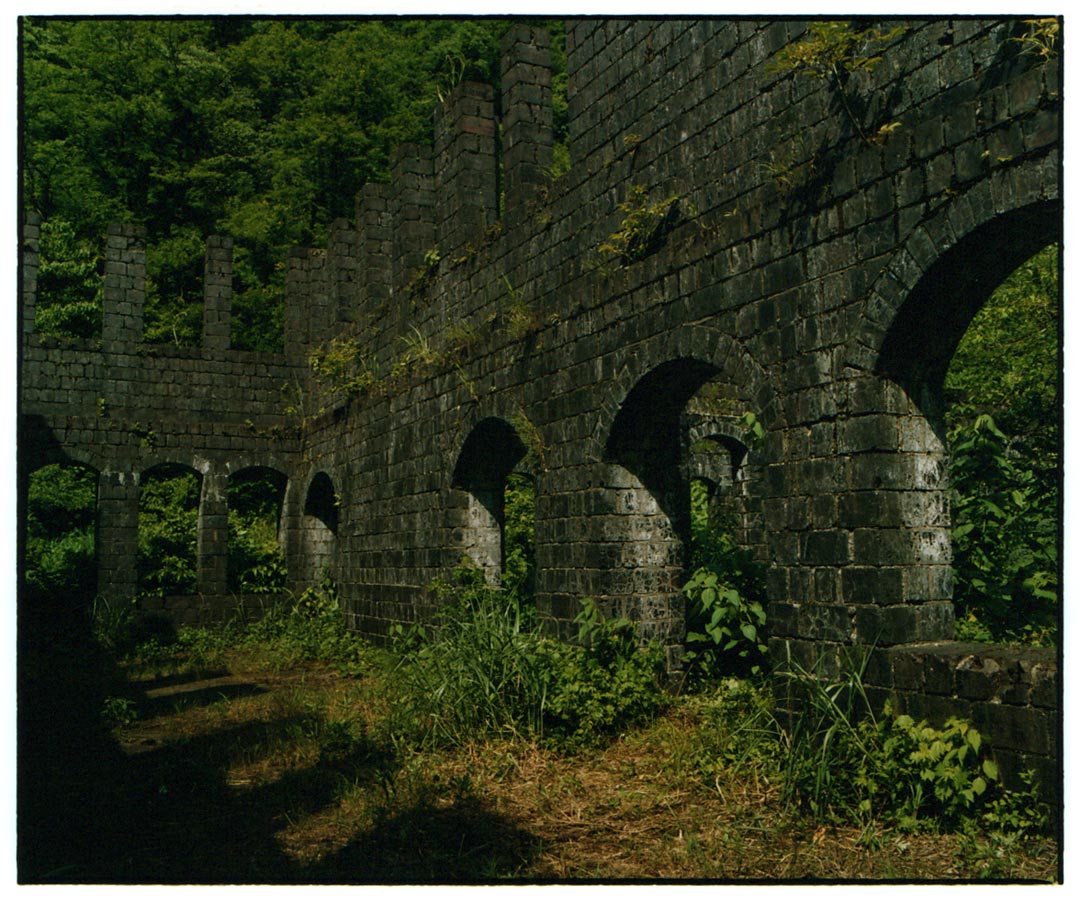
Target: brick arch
{"type": "Point", "coordinates": [961, 253]}
{"type": "Point", "coordinates": [490, 453]}
{"type": "Point", "coordinates": [698, 346]}
{"type": "Point", "coordinates": [501, 408]}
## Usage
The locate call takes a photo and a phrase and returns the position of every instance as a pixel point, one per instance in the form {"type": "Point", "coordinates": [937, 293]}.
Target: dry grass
{"type": "Point", "coordinates": [252, 775]}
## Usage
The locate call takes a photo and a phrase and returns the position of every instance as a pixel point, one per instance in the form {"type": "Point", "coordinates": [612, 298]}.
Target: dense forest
{"type": "Point", "coordinates": [264, 129]}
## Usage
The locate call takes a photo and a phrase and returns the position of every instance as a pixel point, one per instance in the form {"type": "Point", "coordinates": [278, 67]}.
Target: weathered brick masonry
{"type": "Point", "coordinates": [797, 271]}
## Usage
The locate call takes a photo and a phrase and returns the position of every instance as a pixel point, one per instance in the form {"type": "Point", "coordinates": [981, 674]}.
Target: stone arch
{"type": "Point", "coordinates": [254, 492]}
{"type": "Point", "coordinates": [491, 452]}
{"type": "Point", "coordinates": [727, 358]}
{"type": "Point", "coordinates": [963, 251]}
{"type": "Point", "coordinates": [319, 527]}
{"type": "Point", "coordinates": [891, 554]}
{"type": "Point", "coordinates": [689, 384]}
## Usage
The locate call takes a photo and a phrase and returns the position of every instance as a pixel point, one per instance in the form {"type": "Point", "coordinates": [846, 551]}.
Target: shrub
{"type": "Point", "coordinates": [485, 669]}
{"type": "Point", "coordinates": [844, 763]}
{"type": "Point", "coordinates": [725, 594]}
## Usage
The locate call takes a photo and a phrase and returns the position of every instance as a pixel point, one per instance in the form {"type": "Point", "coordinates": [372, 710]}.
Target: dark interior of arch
{"type": "Point", "coordinates": [321, 501]}
{"type": "Point", "coordinates": [645, 436]}
{"type": "Point", "coordinates": [491, 452]}
{"type": "Point", "coordinates": [932, 321]}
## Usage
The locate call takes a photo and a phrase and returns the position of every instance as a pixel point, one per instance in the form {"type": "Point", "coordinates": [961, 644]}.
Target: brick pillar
{"type": "Point", "coordinates": [858, 524]}
{"type": "Point", "coordinates": [466, 202]}
{"type": "Point", "coordinates": [117, 538]}
{"type": "Point", "coordinates": [343, 266]}
{"type": "Point", "coordinates": [212, 543]}
{"type": "Point", "coordinates": [297, 285]}
{"type": "Point", "coordinates": [412, 211]}
{"type": "Point", "coordinates": [374, 244]}
{"type": "Point", "coordinates": [526, 106]}
{"type": "Point", "coordinates": [30, 248]}
{"type": "Point", "coordinates": [217, 293]}
{"type": "Point", "coordinates": [125, 285]}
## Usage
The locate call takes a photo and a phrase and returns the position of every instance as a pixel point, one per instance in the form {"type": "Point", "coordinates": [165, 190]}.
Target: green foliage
{"type": "Point", "coordinates": [485, 669]}
{"type": "Point", "coordinates": [915, 771]}
{"type": "Point", "coordinates": [833, 53]}
{"type": "Point", "coordinates": [69, 284]}
{"type": "Point", "coordinates": [341, 364]}
{"type": "Point", "coordinates": [61, 508]}
{"type": "Point", "coordinates": [168, 524]}
{"type": "Point", "coordinates": [834, 50]}
{"type": "Point", "coordinates": [643, 227]}
{"type": "Point", "coordinates": [118, 711]}
{"type": "Point", "coordinates": [1004, 540]}
{"type": "Point", "coordinates": [725, 594]}
{"type": "Point", "coordinates": [263, 129]}
{"type": "Point", "coordinates": [479, 671]}
{"type": "Point", "coordinates": [846, 764]}
{"type": "Point", "coordinates": [256, 562]}
{"type": "Point", "coordinates": [1004, 426]}
{"type": "Point", "coordinates": [311, 627]}
{"type": "Point", "coordinates": [1040, 39]}
{"type": "Point", "coordinates": [519, 537]}
{"type": "Point", "coordinates": [602, 686]}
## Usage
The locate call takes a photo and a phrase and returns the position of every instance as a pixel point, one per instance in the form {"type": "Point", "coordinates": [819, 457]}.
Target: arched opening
{"type": "Point", "coordinates": [320, 527]}
{"type": "Point", "coordinates": [1003, 423]}
{"type": "Point", "coordinates": [256, 562]}
{"type": "Point", "coordinates": [168, 530]}
{"type": "Point", "coordinates": [967, 347]}
{"type": "Point", "coordinates": [681, 489]}
{"type": "Point", "coordinates": [498, 532]}
{"type": "Point", "coordinates": [61, 512]}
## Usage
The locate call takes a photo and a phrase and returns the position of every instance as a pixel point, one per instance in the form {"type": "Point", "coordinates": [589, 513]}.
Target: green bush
{"type": "Point", "coordinates": [725, 596]}
{"type": "Point", "coordinates": [845, 764]}
{"type": "Point", "coordinates": [1004, 540]}
{"type": "Point", "coordinates": [602, 686]}
{"type": "Point", "coordinates": [485, 669]}
{"type": "Point", "coordinates": [308, 628]}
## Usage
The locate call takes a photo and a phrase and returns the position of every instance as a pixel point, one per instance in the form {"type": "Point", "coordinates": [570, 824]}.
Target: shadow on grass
{"type": "Point", "coordinates": [457, 840]}
{"type": "Point", "coordinates": [90, 814]}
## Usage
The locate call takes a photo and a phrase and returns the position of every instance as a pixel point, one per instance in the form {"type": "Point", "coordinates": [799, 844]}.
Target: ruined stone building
{"type": "Point", "coordinates": [730, 238]}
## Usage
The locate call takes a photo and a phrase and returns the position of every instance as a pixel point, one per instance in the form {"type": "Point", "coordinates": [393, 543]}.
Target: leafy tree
{"type": "Point", "coordinates": [61, 508]}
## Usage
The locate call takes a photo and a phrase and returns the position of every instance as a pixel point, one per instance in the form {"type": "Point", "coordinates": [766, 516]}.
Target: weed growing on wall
{"type": "Point", "coordinates": [834, 52]}
{"type": "Point", "coordinates": [643, 227]}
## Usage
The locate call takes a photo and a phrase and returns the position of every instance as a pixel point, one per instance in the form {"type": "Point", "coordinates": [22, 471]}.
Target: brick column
{"type": "Point", "coordinates": [343, 265]}
{"type": "Point", "coordinates": [125, 285]}
{"type": "Point", "coordinates": [527, 115]}
{"type": "Point", "coordinates": [465, 168]}
{"type": "Point", "coordinates": [117, 538]}
{"type": "Point", "coordinates": [412, 209]}
{"type": "Point", "coordinates": [374, 244]}
{"type": "Point", "coordinates": [30, 248]}
{"type": "Point", "coordinates": [217, 293]}
{"type": "Point", "coordinates": [212, 543]}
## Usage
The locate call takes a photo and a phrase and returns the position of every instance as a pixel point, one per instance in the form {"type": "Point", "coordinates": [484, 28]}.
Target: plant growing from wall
{"type": "Point", "coordinates": [834, 52]}
{"type": "Point", "coordinates": [643, 228]}
{"type": "Point", "coordinates": [1040, 39]}
{"type": "Point", "coordinates": [341, 364]}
